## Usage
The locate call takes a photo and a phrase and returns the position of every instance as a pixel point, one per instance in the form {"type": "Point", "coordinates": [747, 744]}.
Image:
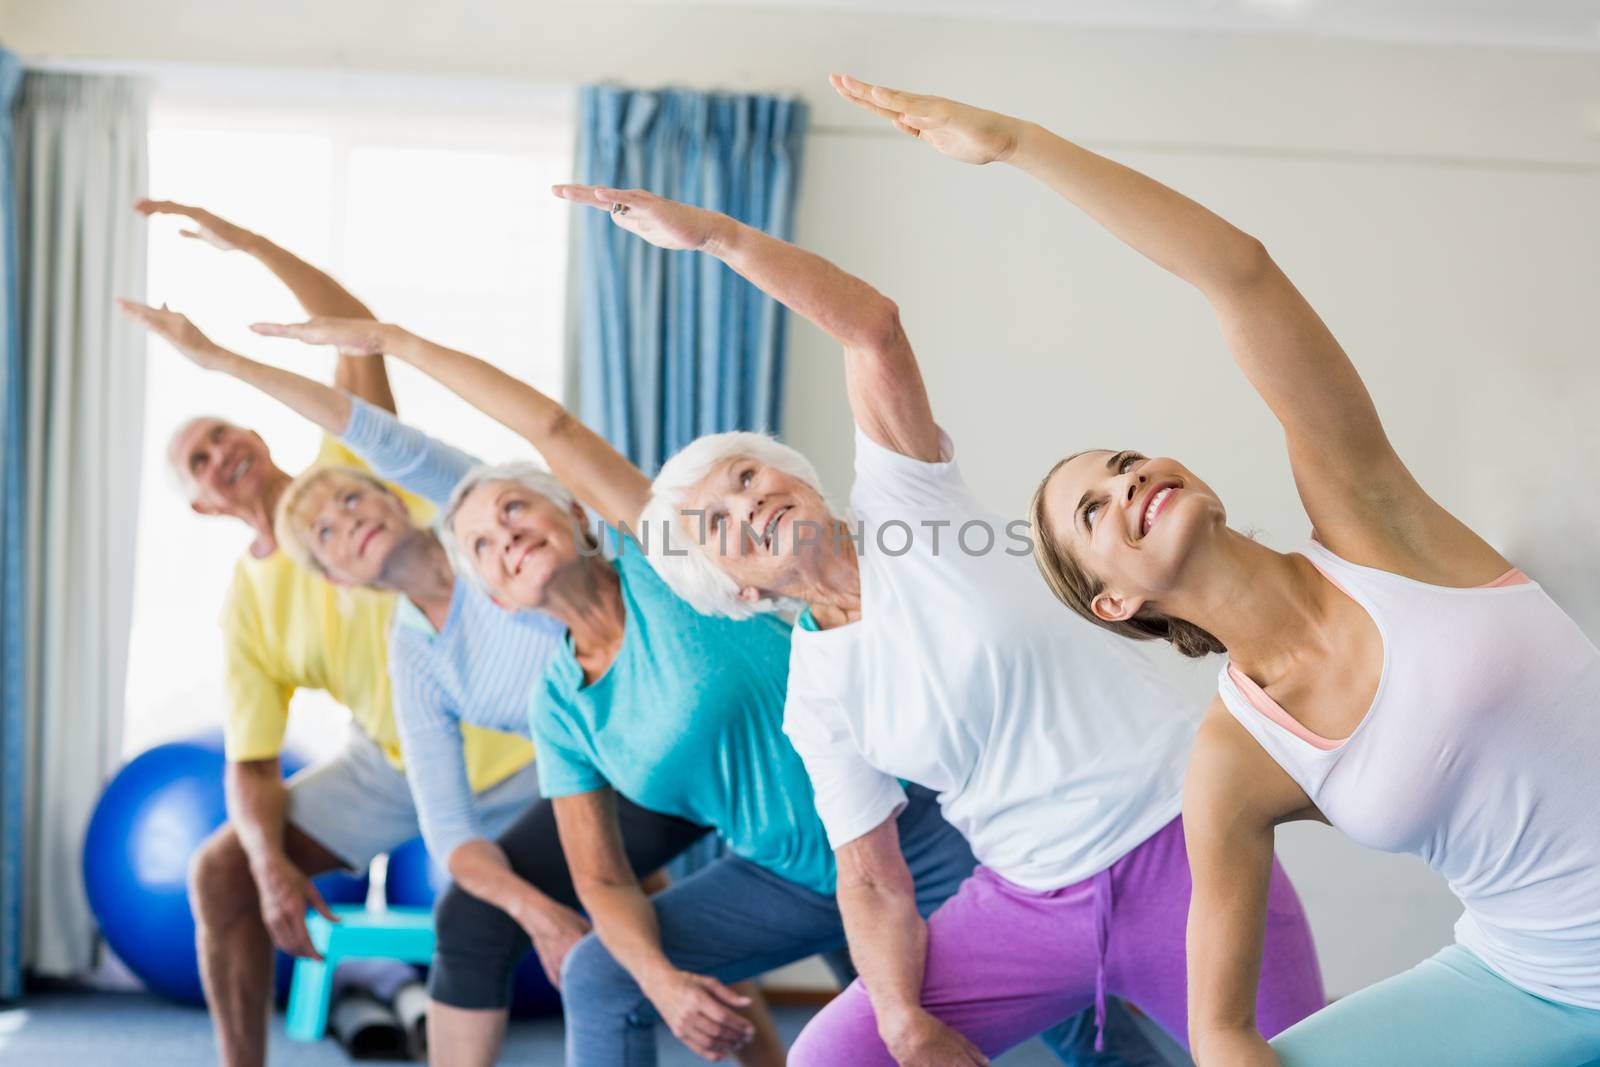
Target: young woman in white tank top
{"type": "Point", "coordinates": [1397, 678]}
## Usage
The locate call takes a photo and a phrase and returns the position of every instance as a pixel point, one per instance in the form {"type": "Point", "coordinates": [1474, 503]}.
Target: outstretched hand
{"type": "Point", "coordinates": [176, 330]}
{"type": "Point", "coordinates": [212, 229]}
{"type": "Point", "coordinates": [664, 223]}
{"type": "Point", "coordinates": [352, 337]}
{"type": "Point", "coordinates": [965, 133]}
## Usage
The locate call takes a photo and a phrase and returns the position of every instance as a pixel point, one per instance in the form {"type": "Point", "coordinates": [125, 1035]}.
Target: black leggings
{"type": "Point", "coordinates": [477, 946]}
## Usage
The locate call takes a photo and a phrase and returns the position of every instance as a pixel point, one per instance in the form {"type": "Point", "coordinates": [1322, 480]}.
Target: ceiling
{"type": "Point", "coordinates": [1569, 24]}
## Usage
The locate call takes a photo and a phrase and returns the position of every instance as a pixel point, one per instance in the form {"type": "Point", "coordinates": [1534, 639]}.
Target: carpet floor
{"type": "Point", "coordinates": [69, 1029]}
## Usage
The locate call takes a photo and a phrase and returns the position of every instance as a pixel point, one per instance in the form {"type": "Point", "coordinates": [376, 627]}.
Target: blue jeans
{"type": "Point", "coordinates": [734, 920]}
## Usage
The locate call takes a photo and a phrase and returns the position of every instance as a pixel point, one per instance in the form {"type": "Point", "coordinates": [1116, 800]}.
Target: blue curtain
{"type": "Point", "coordinates": [11, 597]}
{"type": "Point", "coordinates": [674, 345]}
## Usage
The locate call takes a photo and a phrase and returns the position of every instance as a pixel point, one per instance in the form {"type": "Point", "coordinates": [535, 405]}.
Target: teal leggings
{"type": "Point", "coordinates": [1448, 1011]}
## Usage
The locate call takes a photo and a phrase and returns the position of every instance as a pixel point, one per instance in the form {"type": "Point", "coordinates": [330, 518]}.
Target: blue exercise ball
{"type": "Point", "coordinates": [415, 881]}
{"type": "Point", "coordinates": [150, 819]}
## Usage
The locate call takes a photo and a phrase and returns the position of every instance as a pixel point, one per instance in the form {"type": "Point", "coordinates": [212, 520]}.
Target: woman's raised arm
{"type": "Point", "coordinates": [324, 405]}
{"type": "Point", "coordinates": [600, 475]}
{"type": "Point", "coordinates": [318, 292]}
{"type": "Point", "coordinates": [887, 396]}
{"type": "Point", "coordinates": [1358, 493]}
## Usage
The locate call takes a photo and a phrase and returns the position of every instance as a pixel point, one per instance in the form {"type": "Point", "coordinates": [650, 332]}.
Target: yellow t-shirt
{"type": "Point", "coordinates": [285, 628]}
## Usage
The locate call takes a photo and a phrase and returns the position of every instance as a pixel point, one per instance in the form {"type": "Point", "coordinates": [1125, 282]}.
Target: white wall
{"type": "Point", "coordinates": [1440, 206]}
{"type": "Point", "coordinates": [1461, 293]}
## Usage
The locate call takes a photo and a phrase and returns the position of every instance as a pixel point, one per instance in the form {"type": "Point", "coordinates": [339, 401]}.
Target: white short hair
{"type": "Point", "coordinates": [182, 481]}
{"type": "Point", "coordinates": [695, 574]}
{"type": "Point", "coordinates": [525, 473]}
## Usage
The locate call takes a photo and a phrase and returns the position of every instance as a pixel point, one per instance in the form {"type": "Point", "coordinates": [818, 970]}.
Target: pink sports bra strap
{"type": "Point", "coordinates": [1514, 576]}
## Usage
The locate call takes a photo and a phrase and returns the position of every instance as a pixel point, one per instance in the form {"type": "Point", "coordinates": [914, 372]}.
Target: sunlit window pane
{"type": "Point", "coordinates": [442, 222]}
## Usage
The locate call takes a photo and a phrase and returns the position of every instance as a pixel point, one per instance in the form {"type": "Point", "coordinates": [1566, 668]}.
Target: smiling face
{"type": "Point", "coordinates": [757, 522]}
{"type": "Point", "coordinates": [350, 526]}
{"type": "Point", "coordinates": [517, 540]}
{"type": "Point", "coordinates": [224, 466]}
{"type": "Point", "coordinates": [1130, 521]}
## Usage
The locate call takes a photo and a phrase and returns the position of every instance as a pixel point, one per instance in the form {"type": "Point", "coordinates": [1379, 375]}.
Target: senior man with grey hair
{"type": "Point", "coordinates": [287, 628]}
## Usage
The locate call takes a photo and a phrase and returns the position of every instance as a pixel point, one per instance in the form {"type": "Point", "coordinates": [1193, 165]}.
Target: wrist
{"type": "Point", "coordinates": [264, 861]}
{"type": "Point", "coordinates": [397, 341]}
{"type": "Point", "coordinates": [897, 1021]}
{"type": "Point", "coordinates": [656, 976]}
{"type": "Point", "coordinates": [533, 911]}
{"type": "Point", "coordinates": [215, 357]}
{"type": "Point", "coordinates": [251, 243]}
{"type": "Point", "coordinates": [1229, 1044]}
{"type": "Point", "coordinates": [1025, 138]}
{"type": "Point", "coordinates": [721, 235]}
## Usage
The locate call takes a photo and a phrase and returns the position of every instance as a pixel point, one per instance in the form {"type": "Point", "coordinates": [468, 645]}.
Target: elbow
{"type": "Point", "coordinates": [877, 889]}
{"type": "Point", "coordinates": [590, 886]}
{"type": "Point", "coordinates": [878, 330]}
{"type": "Point", "coordinates": [251, 772]}
{"type": "Point", "coordinates": [1242, 264]}
{"type": "Point", "coordinates": [561, 424]}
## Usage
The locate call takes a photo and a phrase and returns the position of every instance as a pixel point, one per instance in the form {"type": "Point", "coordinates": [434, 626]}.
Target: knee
{"type": "Point", "coordinates": [843, 1032]}
{"type": "Point", "coordinates": [810, 1048]}
{"type": "Point", "coordinates": [591, 976]}
{"type": "Point", "coordinates": [221, 888]}
{"type": "Point", "coordinates": [465, 925]}
{"type": "Point", "coordinates": [819, 1044]}
{"type": "Point", "coordinates": [476, 949]}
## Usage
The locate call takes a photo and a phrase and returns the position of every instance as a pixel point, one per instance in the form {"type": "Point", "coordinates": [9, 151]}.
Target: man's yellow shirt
{"type": "Point", "coordinates": [285, 628]}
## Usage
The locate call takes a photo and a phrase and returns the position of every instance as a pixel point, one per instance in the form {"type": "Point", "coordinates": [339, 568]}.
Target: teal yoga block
{"type": "Point", "coordinates": [392, 934]}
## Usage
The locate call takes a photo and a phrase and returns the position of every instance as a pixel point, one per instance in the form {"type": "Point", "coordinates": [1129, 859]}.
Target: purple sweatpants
{"type": "Point", "coordinates": [1006, 963]}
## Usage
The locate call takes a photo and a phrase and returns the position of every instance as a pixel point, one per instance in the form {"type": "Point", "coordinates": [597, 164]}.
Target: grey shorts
{"type": "Point", "coordinates": [357, 806]}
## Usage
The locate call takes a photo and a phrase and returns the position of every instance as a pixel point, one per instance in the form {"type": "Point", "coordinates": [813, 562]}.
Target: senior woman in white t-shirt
{"type": "Point", "coordinates": [928, 650]}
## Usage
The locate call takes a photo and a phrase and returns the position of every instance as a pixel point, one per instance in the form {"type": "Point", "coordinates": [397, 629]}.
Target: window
{"type": "Point", "coordinates": [429, 201]}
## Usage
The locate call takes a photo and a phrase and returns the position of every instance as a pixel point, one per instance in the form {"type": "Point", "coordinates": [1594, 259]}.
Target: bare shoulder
{"type": "Point", "coordinates": [1233, 782]}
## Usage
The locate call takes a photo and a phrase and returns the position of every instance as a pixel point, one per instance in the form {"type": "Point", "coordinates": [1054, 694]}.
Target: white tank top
{"type": "Point", "coordinates": [1480, 753]}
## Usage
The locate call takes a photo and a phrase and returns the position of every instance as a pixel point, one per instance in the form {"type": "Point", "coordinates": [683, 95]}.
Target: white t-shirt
{"type": "Point", "coordinates": [1054, 746]}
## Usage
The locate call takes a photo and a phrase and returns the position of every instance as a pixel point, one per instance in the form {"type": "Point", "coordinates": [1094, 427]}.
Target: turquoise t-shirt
{"type": "Point", "coordinates": [688, 722]}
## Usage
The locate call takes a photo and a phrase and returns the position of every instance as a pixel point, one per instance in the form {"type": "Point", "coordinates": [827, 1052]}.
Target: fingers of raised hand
{"type": "Point", "coordinates": [141, 313]}
{"type": "Point", "coordinates": [578, 193]}
{"type": "Point", "coordinates": [299, 331]}
{"type": "Point", "coordinates": [600, 195]}
{"type": "Point", "coordinates": [863, 102]}
{"type": "Point", "coordinates": [148, 207]}
{"type": "Point", "coordinates": [162, 319]}
{"type": "Point", "coordinates": [877, 95]}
